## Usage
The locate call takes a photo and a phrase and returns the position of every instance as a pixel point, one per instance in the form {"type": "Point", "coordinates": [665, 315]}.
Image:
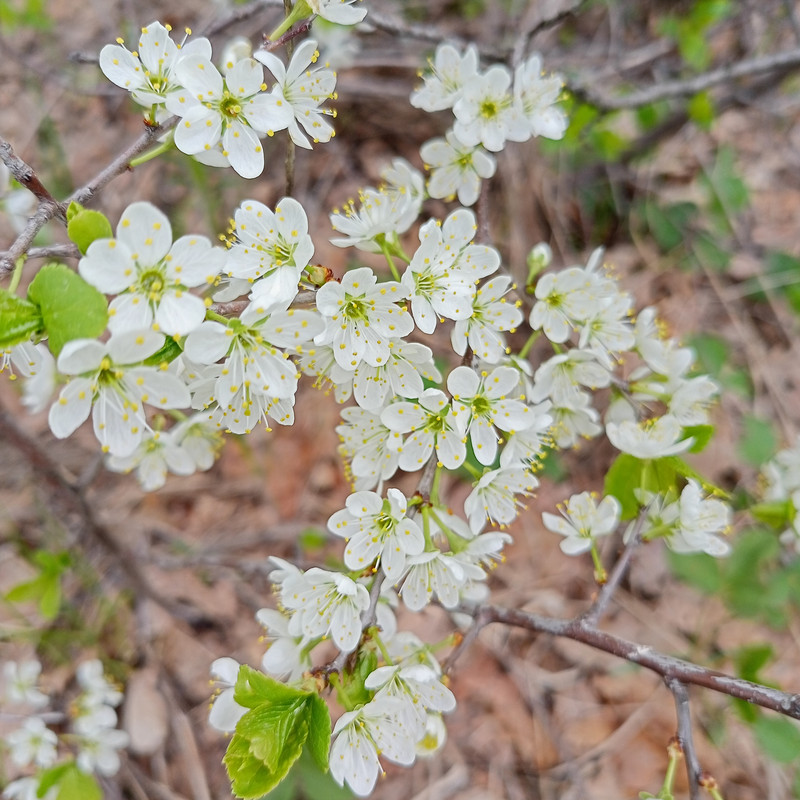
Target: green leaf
{"type": "Point", "coordinates": [50, 601]}
{"type": "Point", "coordinates": [86, 226]}
{"type": "Point", "coordinates": [702, 435]}
{"type": "Point", "coordinates": [253, 688]}
{"type": "Point", "coordinates": [70, 307]}
{"type": "Point", "coordinates": [701, 110]}
{"type": "Point", "coordinates": [758, 441]}
{"type": "Point", "coordinates": [778, 737]}
{"type": "Point", "coordinates": [698, 569]}
{"type": "Point", "coordinates": [622, 478]}
{"type": "Point", "coordinates": [72, 783]}
{"type": "Point", "coordinates": [319, 731]}
{"type": "Point", "coordinates": [750, 660]}
{"type": "Point", "coordinates": [670, 224]}
{"type": "Point", "coordinates": [19, 320]}
{"type": "Point", "coordinates": [259, 759]}
{"type": "Point", "coordinates": [786, 271]}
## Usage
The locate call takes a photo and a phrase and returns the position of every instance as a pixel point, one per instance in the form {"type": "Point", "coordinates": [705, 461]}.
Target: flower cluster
{"type": "Point", "coordinates": [780, 478]}
{"type": "Point", "coordinates": [223, 117]}
{"type": "Point", "coordinates": [490, 409]}
{"type": "Point", "coordinates": [94, 740]}
{"type": "Point", "coordinates": [490, 108]}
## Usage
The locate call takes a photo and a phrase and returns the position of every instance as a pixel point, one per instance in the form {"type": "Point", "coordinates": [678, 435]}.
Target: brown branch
{"type": "Point", "coordinates": [239, 15]}
{"type": "Point", "coordinates": [52, 251]}
{"type": "Point", "coordinates": [645, 656]}
{"type": "Point", "coordinates": [27, 176]}
{"type": "Point", "coordinates": [49, 209]}
{"type": "Point", "coordinates": [681, 696]}
{"type": "Point", "coordinates": [788, 59]}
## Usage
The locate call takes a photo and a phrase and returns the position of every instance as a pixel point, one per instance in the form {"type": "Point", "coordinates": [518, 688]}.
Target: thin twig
{"type": "Point", "coordinates": [49, 209]}
{"type": "Point", "coordinates": [52, 251]}
{"type": "Point", "coordinates": [681, 695]}
{"type": "Point", "coordinates": [239, 14]}
{"type": "Point", "coordinates": [27, 176]}
{"type": "Point", "coordinates": [645, 656]}
{"type": "Point", "coordinates": [686, 88]}
{"type": "Point", "coordinates": [598, 608]}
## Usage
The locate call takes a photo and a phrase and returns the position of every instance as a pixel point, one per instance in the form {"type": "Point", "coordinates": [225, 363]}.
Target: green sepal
{"type": "Point", "coordinates": [70, 307]}
{"type": "Point", "coordinates": [19, 320]}
{"type": "Point", "coordinates": [166, 354]}
{"type": "Point", "coordinates": [84, 226]}
{"type": "Point", "coordinates": [685, 471]}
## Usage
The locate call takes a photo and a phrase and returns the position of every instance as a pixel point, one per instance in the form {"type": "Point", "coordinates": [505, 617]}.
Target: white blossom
{"type": "Point", "coordinates": [270, 250]}
{"type": "Point", "coordinates": [456, 168]}
{"type": "Point", "coordinates": [429, 423]}
{"type": "Point", "coordinates": [111, 383]}
{"type": "Point", "coordinates": [653, 439]}
{"type": "Point", "coordinates": [361, 317]}
{"type": "Point", "coordinates": [20, 679]}
{"type": "Point", "coordinates": [450, 72]}
{"type": "Point", "coordinates": [496, 496]}
{"type": "Point", "coordinates": [231, 112]}
{"type": "Point", "coordinates": [582, 520]}
{"type": "Point", "coordinates": [150, 274]}
{"type": "Point", "coordinates": [149, 73]}
{"type": "Point", "coordinates": [360, 735]}
{"type": "Point", "coordinates": [303, 90]}
{"type": "Point", "coordinates": [225, 712]}
{"type": "Point", "coordinates": [33, 743]}
{"type": "Point", "coordinates": [377, 529]}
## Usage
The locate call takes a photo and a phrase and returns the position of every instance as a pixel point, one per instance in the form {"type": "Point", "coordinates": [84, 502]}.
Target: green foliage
{"type": "Point", "coordinates": [701, 110]}
{"type": "Point", "coordinates": [24, 14]}
{"type": "Point", "coordinates": [305, 781]}
{"type": "Point", "coordinates": [70, 783]}
{"type": "Point", "coordinates": [727, 192]}
{"type": "Point", "coordinates": [690, 30]}
{"type": "Point", "coordinates": [45, 588]}
{"type": "Point", "coordinates": [758, 441]}
{"type": "Point", "coordinates": [270, 737]}
{"type": "Point", "coordinates": [165, 354]}
{"type": "Point", "coordinates": [783, 270]}
{"type": "Point", "coordinates": [778, 737]}
{"type": "Point", "coordinates": [753, 582]}
{"type": "Point", "coordinates": [70, 307]}
{"type": "Point", "coordinates": [19, 320]}
{"type": "Point", "coordinates": [714, 358]}
{"type": "Point", "coordinates": [84, 226]}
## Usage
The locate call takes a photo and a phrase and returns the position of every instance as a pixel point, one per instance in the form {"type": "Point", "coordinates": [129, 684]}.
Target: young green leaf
{"type": "Point", "coordinates": [623, 478]}
{"type": "Point", "coordinates": [84, 226]}
{"type": "Point", "coordinates": [319, 731]}
{"type": "Point", "coordinates": [19, 320]}
{"type": "Point", "coordinates": [70, 307]}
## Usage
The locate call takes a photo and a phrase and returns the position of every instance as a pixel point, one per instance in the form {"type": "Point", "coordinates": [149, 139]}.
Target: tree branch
{"type": "Point", "coordinates": [645, 656]}
{"type": "Point", "coordinates": [681, 696]}
{"type": "Point", "coordinates": [789, 59]}
{"type": "Point", "coordinates": [27, 176]}
{"type": "Point", "coordinates": [48, 209]}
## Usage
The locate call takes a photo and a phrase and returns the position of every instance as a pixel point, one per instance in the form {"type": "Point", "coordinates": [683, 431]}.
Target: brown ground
{"type": "Point", "coordinates": [536, 718]}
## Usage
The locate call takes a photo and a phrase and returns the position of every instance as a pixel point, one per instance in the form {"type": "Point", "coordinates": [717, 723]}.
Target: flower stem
{"type": "Point", "coordinates": [600, 574]}
{"type": "Point", "coordinates": [526, 348]}
{"type": "Point", "coordinates": [15, 278]}
{"type": "Point", "coordinates": [160, 148]}
{"type": "Point", "coordinates": [388, 254]}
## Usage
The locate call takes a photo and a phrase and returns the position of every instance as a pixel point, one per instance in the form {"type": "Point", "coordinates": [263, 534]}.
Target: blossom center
{"type": "Point", "coordinates": [230, 105]}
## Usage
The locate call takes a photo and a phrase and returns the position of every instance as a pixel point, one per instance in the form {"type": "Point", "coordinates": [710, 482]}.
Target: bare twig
{"type": "Point", "coordinates": [52, 251]}
{"type": "Point", "coordinates": [645, 656]}
{"type": "Point", "coordinates": [681, 695]}
{"type": "Point", "coordinates": [598, 608]}
{"type": "Point", "coordinates": [49, 209]}
{"type": "Point", "coordinates": [686, 88]}
{"type": "Point", "coordinates": [239, 14]}
{"type": "Point", "coordinates": [26, 175]}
